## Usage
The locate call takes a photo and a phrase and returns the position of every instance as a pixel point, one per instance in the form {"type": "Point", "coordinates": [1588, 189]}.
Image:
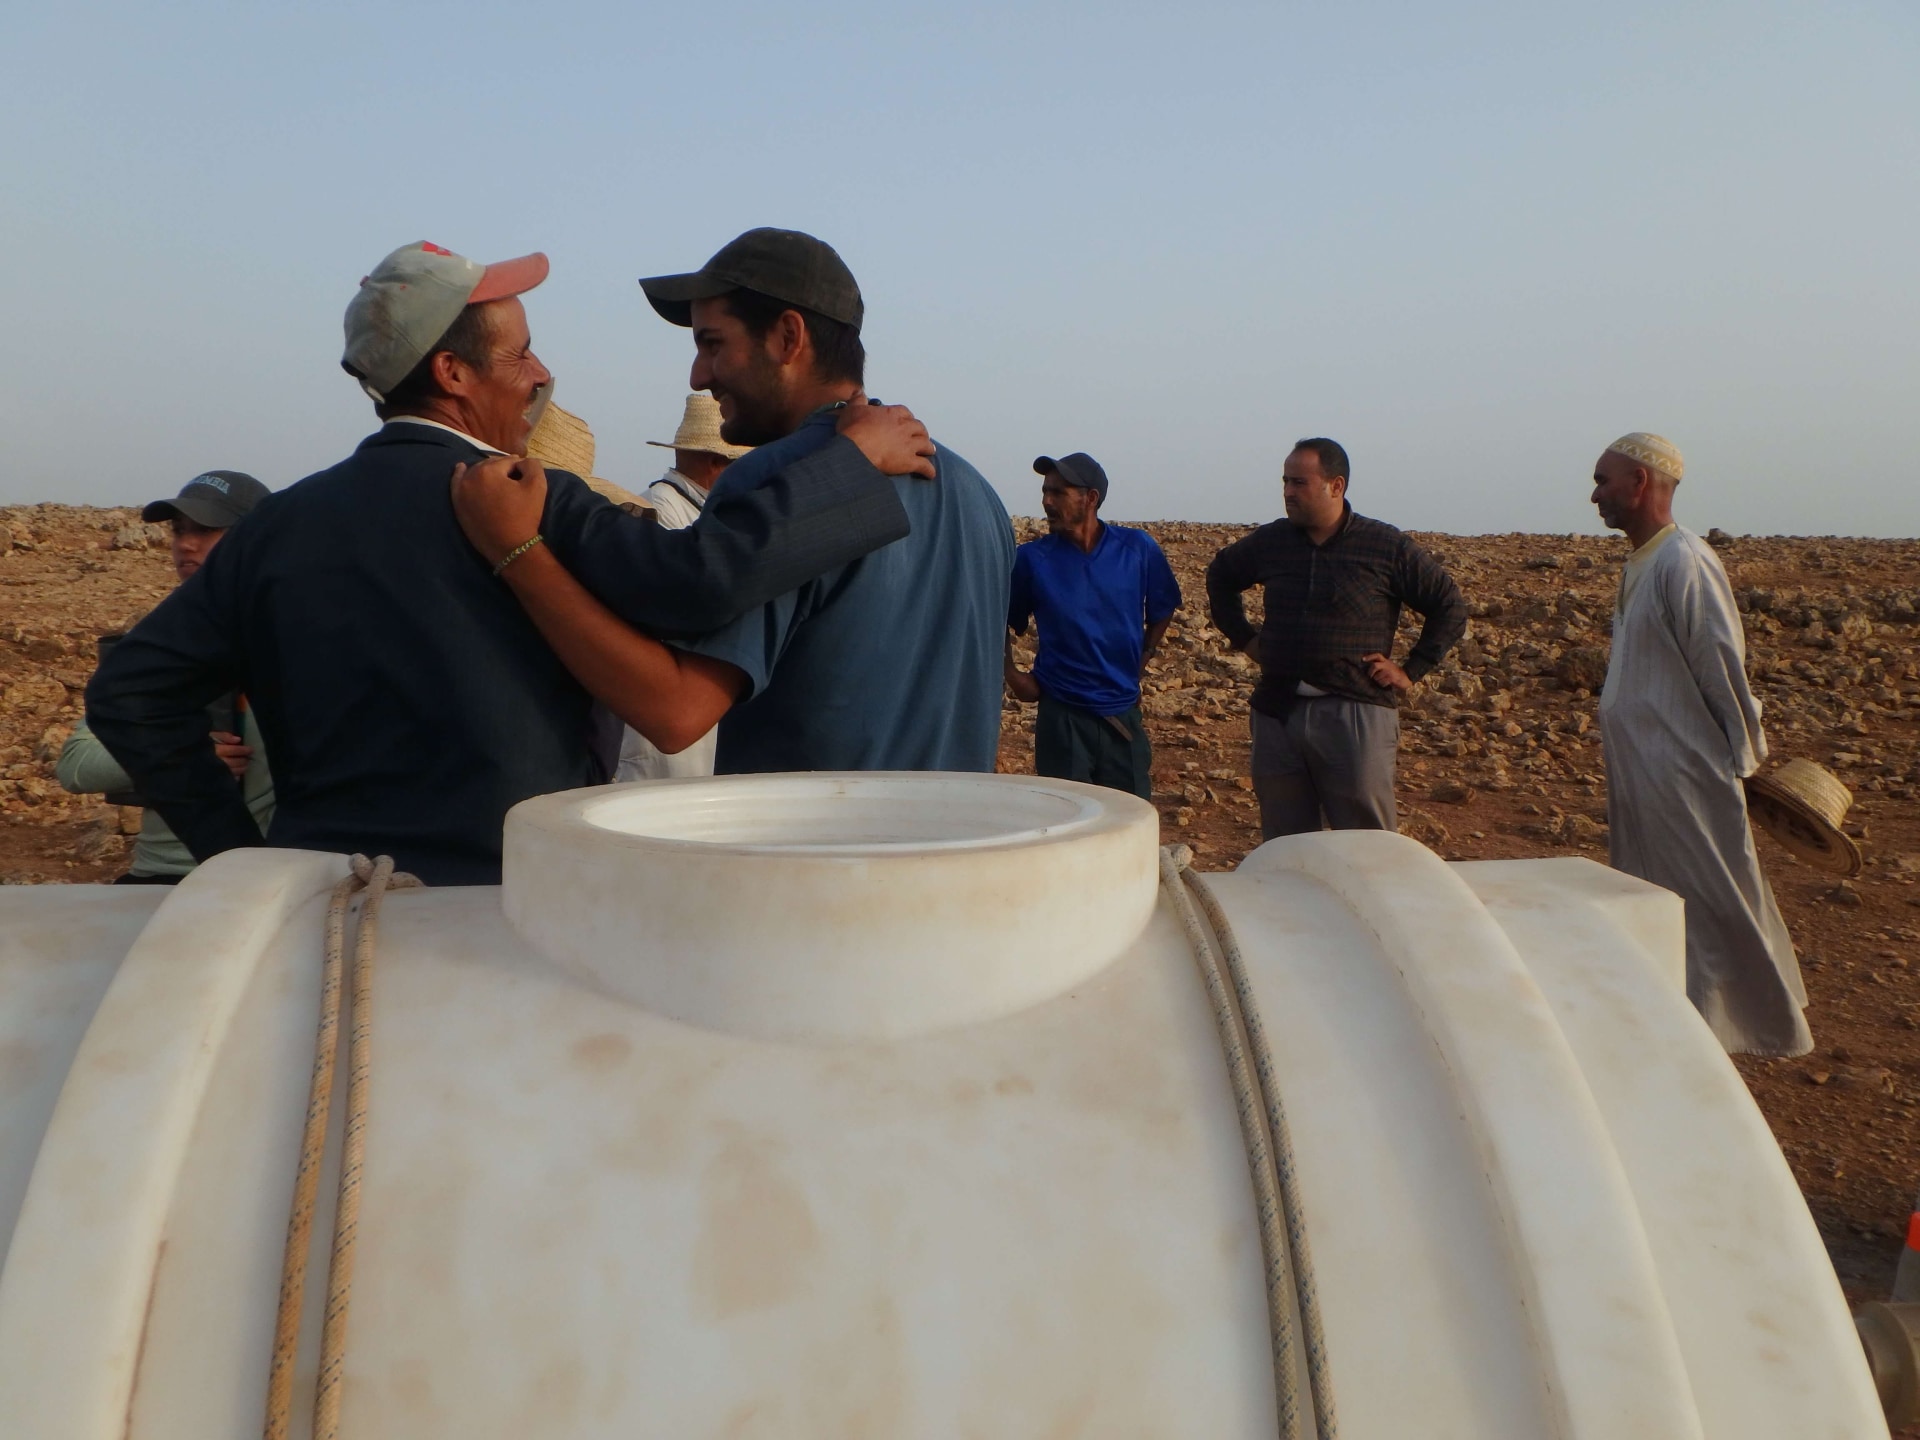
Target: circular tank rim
{"type": "Point", "coordinates": [670, 804]}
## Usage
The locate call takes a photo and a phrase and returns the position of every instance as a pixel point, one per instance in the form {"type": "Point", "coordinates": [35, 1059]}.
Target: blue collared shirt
{"type": "Point", "coordinates": [890, 663]}
{"type": "Point", "coordinates": [1092, 608]}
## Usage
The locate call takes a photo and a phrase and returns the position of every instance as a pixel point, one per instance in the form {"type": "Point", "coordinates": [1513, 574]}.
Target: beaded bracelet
{"type": "Point", "coordinates": [517, 551]}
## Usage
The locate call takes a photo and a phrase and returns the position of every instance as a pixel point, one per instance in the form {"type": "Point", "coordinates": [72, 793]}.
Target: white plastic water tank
{"type": "Point", "coordinates": [890, 1106]}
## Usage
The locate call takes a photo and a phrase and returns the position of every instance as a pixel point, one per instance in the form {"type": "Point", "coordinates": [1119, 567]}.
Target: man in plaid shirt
{"type": "Point", "coordinates": [1326, 723]}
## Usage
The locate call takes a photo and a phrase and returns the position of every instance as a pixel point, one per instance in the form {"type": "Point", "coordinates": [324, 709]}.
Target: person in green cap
{"type": "Point", "coordinates": [200, 515]}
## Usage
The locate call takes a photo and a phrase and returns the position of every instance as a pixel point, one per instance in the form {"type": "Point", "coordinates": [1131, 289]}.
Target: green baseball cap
{"type": "Point", "coordinates": [216, 499]}
{"type": "Point", "coordinates": [785, 264]}
{"type": "Point", "coordinates": [412, 299]}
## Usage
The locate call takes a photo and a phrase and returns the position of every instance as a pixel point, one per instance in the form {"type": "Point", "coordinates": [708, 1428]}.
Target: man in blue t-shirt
{"type": "Point", "coordinates": [889, 663]}
{"type": "Point", "coordinates": [1102, 597]}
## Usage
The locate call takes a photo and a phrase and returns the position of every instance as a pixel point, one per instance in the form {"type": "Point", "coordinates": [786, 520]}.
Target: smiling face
{"type": "Point", "coordinates": [496, 398]}
{"type": "Point", "coordinates": [744, 372]}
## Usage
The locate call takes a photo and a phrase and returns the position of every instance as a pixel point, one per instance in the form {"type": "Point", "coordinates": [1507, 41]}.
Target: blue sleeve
{"type": "Point", "coordinates": [1020, 597]}
{"type": "Point", "coordinates": [821, 510]}
{"type": "Point", "coordinates": [754, 642]}
{"type": "Point", "coordinates": [1163, 591]}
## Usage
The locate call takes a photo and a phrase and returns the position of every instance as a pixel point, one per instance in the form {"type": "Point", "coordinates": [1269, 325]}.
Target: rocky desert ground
{"type": "Point", "coordinates": [1501, 757]}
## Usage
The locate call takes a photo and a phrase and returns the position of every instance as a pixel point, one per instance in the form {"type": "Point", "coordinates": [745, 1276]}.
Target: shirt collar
{"type": "Point", "coordinates": [422, 420]}
{"type": "Point", "coordinates": [1346, 524]}
{"type": "Point", "coordinates": [828, 414]}
{"type": "Point", "coordinates": [1654, 542]}
{"type": "Point", "coordinates": [695, 495]}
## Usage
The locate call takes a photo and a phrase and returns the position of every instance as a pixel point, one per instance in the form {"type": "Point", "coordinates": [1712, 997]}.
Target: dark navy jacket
{"type": "Point", "coordinates": [405, 697]}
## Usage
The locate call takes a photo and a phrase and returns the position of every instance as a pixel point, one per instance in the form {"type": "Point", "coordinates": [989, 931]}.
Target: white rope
{"type": "Point", "coordinates": [306, 1181]}
{"type": "Point", "coordinates": [376, 877]}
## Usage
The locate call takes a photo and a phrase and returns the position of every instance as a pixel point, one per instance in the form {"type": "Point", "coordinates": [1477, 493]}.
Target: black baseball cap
{"type": "Point", "coordinates": [215, 499]}
{"type": "Point", "coordinates": [785, 264]}
{"type": "Point", "coordinates": [1078, 469]}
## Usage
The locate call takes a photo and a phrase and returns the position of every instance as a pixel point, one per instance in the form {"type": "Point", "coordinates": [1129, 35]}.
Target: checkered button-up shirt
{"type": "Point", "coordinates": [1327, 605]}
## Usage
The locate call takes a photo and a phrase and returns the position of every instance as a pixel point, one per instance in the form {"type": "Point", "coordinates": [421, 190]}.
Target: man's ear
{"type": "Point", "coordinates": [451, 374]}
{"type": "Point", "coordinates": [788, 340]}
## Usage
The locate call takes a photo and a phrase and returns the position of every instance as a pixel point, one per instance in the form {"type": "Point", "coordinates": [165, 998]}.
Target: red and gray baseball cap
{"type": "Point", "coordinates": [412, 299]}
{"type": "Point", "coordinates": [1079, 469]}
{"type": "Point", "coordinates": [787, 265]}
{"type": "Point", "coordinates": [215, 499]}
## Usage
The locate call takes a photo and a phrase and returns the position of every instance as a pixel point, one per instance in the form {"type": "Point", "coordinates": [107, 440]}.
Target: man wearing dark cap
{"type": "Point", "coordinates": [201, 513]}
{"type": "Point", "coordinates": [406, 698]}
{"type": "Point", "coordinates": [205, 509]}
{"type": "Point", "coordinates": [889, 662]}
{"type": "Point", "coordinates": [1101, 597]}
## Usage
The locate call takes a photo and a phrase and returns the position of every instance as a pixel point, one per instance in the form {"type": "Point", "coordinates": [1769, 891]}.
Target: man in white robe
{"type": "Point", "coordinates": [1681, 730]}
{"type": "Point", "coordinates": [700, 457]}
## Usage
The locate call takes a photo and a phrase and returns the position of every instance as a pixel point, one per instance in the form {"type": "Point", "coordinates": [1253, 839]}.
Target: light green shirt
{"type": "Point", "coordinates": [85, 768]}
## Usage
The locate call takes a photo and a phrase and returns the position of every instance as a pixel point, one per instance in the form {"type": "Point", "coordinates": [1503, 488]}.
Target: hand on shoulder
{"type": "Point", "coordinates": [499, 503]}
{"type": "Point", "coordinates": [894, 442]}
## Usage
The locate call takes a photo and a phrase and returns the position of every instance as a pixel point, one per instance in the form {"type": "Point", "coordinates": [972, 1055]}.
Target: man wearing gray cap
{"type": "Point", "coordinates": [200, 515]}
{"type": "Point", "coordinates": [406, 699]}
{"type": "Point", "coordinates": [888, 662]}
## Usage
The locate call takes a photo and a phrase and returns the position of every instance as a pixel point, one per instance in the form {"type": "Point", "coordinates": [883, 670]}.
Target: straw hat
{"type": "Point", "coordinates": [1802, 806]}
{"type": "Point", "coordinates": [618, 494]}
{"type": "Point", "coordinates": [700, 430]}
{"type": "Point", "coordinates": [563, 440]}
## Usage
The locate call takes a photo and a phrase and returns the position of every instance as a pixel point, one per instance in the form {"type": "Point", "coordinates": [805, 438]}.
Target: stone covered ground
{"type": "Point", "coordinates": [1500, 758]}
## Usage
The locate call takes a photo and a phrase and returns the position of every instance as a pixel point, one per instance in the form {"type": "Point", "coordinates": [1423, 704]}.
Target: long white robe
{"type": "Point", "coordinates": [1681, 729]}
{"type": "Point", "coordinates": [677, 502]}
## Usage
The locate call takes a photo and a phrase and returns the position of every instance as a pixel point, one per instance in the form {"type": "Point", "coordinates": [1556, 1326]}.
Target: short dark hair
{"type": "Point", "coordinates": [837, 351]}
{"type": "Point", "coordinates": [468, 339]}
{"type": "Point", "coordinates": [1333, 459]}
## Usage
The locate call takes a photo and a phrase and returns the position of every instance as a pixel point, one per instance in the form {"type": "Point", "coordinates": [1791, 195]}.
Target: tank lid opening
{"type": "Point", "coordinates": [822, 906]}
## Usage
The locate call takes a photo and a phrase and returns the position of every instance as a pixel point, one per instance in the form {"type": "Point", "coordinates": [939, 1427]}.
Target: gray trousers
{"type": "Point", "coordinates": [1328, 765]}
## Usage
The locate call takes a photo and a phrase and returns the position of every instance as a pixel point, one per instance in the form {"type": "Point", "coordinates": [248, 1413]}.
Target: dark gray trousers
{"type": "Point", "coordinates": [1074, 744]}
{"type": "Point", "coordinates": [1328, 765]}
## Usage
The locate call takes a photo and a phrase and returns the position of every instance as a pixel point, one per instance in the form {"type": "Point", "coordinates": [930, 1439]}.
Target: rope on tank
{"type": "Point", "coordinates": [1269, 1144]}
{"type": "Point", "coordinates": [376, 877]}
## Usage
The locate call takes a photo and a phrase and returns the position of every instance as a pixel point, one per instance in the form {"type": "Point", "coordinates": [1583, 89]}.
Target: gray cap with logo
{"type": "Point", "coordinates": [215, 499]}
{"type": "Point", "coordinates": [787, 265]}
{"type": "Point", "coordinates": [412, 299]}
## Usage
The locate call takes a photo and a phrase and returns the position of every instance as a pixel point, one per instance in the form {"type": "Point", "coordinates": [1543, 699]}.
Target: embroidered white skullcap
{"type": "Point", "coordinates": [1656, 452]}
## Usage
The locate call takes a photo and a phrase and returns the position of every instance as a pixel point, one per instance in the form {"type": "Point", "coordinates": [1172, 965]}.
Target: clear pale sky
{"type": "Point", "coordinates": [1472, 242]}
